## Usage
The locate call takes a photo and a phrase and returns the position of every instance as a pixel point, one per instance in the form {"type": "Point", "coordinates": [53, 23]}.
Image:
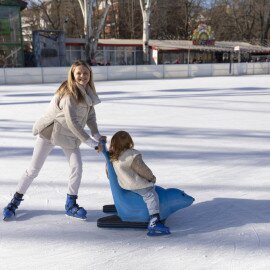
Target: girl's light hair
{"type": "Point", "coordinates": [69, 87]}
{"type": "Point", "coordinates": [120, 142]}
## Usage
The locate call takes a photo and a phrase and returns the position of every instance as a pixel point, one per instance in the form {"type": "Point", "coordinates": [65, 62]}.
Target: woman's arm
{"type": "Point", "coordinates": [92, 121]}
{"type": "Point", "coordinates": [92, 124]}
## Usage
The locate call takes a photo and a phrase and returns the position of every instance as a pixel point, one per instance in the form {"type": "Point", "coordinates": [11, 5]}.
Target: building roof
{"type": "Point", "coordinates": [171, 45]}
{"type": "Point", "coordinates": [166, 45]}
{"type": "Point", "coordinates": [20, 3]}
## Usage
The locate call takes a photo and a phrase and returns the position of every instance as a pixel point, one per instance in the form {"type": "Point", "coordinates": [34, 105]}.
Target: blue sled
{"type": "Point", "coordinates": [130, 207]}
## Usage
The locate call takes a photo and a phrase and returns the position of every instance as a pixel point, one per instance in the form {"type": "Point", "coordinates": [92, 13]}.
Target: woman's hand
{"type": "Point", "coordinates": [103, 139]}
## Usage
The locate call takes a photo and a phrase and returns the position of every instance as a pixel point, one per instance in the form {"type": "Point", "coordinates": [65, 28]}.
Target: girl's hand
{"type": "Point", "coordinates": [99, 148]}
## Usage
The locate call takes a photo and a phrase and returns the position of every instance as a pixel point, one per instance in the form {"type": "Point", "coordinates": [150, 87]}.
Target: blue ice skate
{"type": "Point", "coordinates": [9, 210]}
{"type": "Point", "coordinates": [156, 227]}
{"type": "Point", "coordinates": [73, 209]}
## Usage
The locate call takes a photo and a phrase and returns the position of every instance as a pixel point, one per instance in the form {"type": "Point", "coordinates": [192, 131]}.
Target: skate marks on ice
{"type": "Point", "coordinates": [189, 92]}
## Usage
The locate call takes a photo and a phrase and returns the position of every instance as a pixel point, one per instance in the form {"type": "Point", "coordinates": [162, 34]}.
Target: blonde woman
{"type": "Point", "coordinates": [71, 108]}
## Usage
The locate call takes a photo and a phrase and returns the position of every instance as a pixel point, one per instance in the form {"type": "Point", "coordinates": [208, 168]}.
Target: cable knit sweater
{"type": "Point", "coordinates": [64, 121]}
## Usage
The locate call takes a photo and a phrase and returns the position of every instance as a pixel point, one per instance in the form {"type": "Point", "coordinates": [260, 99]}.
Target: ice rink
{"type": "Point", "coordinates": [207, 136]}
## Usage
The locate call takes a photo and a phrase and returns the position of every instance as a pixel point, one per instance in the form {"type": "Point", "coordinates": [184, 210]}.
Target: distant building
{"type": "Point", "coordinates": [129, 52]}
{"type": "Point", "coordinates": [11, 43]}
{"type": "Point", "coordinates": [51, 48]}
{"type": "Point", "coordinates": [203, 48]}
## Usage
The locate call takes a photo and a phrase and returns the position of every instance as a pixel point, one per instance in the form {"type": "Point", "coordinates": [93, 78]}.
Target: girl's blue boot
{"type": "Point", "coordinates": [73, 209]}
{"type": "Point", "coordinates": [156, 227]}
{"type": "Point", "coordinates": [9, 210]}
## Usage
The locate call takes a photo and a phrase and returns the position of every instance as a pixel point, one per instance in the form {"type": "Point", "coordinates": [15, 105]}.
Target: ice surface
{"type": "Point", "coordinates": [207, 136]}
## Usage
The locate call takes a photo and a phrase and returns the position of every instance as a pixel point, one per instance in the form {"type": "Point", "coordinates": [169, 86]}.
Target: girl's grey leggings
{"type": "Point", "coordinates": [151, 199]}
{"type": "Point", "coordinates": [41, 151]}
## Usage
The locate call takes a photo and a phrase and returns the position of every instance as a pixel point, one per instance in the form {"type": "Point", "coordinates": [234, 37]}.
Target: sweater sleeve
{"type": "Point", "coordinates": [92, 122]}
{"type": "Point", "coordinates": [71, 119]}
{"type": "Point", "coordinates": [142, 169]}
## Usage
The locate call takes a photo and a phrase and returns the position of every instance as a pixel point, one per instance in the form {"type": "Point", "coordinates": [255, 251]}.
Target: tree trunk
{"type": "Point", "coordinates": [91, 38]}
{"type": "Point", "coordinates": [88, 4]}
{"type": "Point", "coordinates": [265, 23]}
{"type": "Point", "coordinates": [146, 12]}
{"type": "Point", "coordinates": [95, 37]}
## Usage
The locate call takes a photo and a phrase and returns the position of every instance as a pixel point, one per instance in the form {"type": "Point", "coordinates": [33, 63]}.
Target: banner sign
{"type": "Point", "coordinates": [203, 35]}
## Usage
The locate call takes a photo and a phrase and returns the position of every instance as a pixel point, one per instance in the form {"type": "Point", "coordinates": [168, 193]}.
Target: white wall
{"type": "Point", "coordinates": [23, 75]}
{"type": "Point", "coordinates": [54, 74]}
{"type": "Point", "coordinates": [2, 76]}
{"type": "Point", "coordinates": [102, 73]}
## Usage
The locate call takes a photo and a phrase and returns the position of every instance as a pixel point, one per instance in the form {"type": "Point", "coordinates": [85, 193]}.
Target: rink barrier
{"type": "Point", "coordinates": [39, 75]}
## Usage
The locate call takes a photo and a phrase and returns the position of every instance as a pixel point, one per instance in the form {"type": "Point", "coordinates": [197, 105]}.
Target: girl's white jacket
{"type": "Point", "coordinates": [128, 178]}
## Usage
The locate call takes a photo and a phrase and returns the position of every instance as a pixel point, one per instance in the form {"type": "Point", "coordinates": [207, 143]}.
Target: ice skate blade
{"type": "Point", "coordinates": [157, 233]}
{"type": "Point", "coordinates": [73, 217]}
{"type": "Point", "coordinates": [7, 219]}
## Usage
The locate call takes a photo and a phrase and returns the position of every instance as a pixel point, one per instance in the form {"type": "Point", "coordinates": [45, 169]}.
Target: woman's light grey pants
{"type": "Point", "coordinates": [151, 199]}
{"type": "Point", "coordinates": [41, 151]}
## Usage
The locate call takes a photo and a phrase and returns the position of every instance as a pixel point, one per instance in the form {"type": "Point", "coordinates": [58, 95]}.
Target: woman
{"type": "Point", "coordinates": [71, 108]}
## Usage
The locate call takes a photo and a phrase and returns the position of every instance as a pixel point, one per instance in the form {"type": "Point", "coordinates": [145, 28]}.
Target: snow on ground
{"type": "Point", "coordinates": [207, 136]}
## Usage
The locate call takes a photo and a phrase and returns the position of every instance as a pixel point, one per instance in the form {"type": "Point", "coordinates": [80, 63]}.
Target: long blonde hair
{"type": "Point", "coordinates": [120, 142]}
{"type": "Point", "coordinates": [69, 87]}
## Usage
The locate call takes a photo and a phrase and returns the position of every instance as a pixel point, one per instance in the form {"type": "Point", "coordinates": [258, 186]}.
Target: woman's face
{"type": "Point", "coordinates": [82, 75]}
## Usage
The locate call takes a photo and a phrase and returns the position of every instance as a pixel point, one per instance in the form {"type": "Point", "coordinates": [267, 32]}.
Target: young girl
{"type": "Point", "coordinates": [71, 108]}
{"type": "Point", "coordinates": [133, 174]}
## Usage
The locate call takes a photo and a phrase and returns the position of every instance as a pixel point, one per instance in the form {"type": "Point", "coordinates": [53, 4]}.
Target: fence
{"type": "Point", "coordinates": [102, 73]}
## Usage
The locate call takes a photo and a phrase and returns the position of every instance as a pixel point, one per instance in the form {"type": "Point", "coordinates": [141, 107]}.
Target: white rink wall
{"type": "Point", "coordinates": [108, 73]}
